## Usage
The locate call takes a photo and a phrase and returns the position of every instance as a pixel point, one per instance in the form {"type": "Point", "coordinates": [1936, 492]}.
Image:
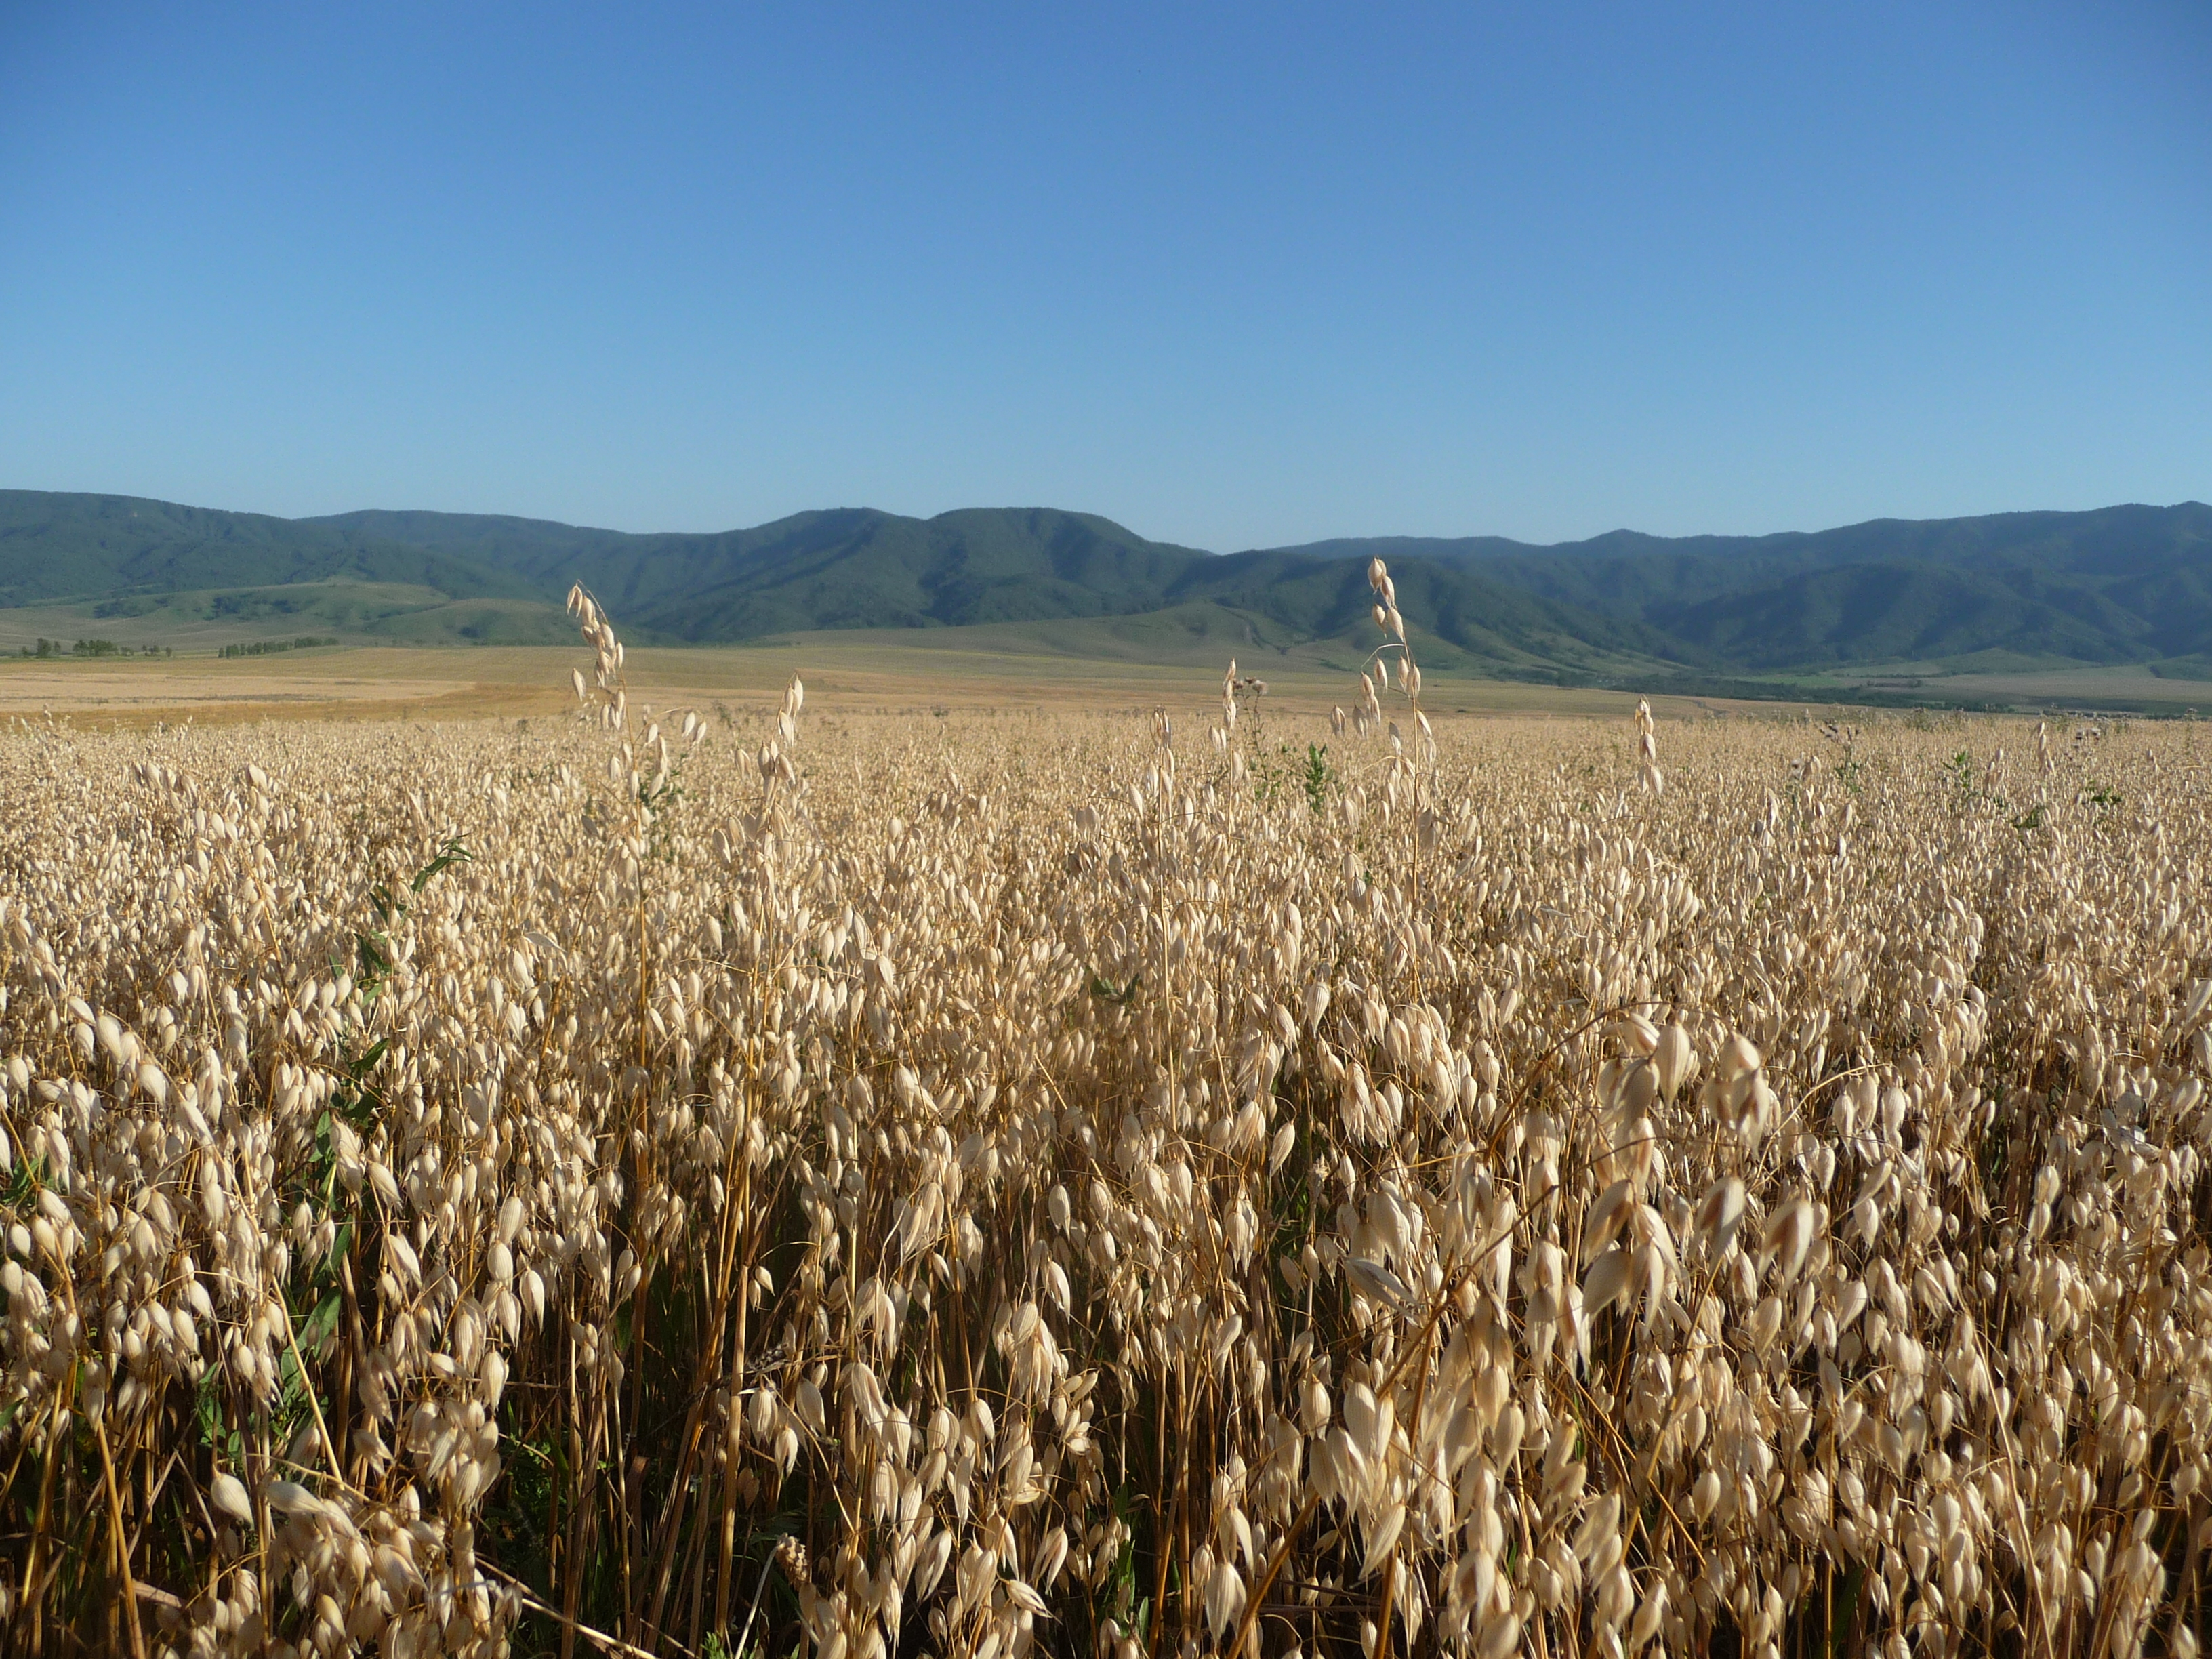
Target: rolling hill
{"type": "Point", "coordinates": [2122, 585]}
{"type": "Point", "coordinates": [111, 561]}
{"type": "Point", "coordinates": [862, 569]}
{"type": "Point", "coordinates": [2117, 584]}
{"type": "Point", "coordinates": [57, 547]}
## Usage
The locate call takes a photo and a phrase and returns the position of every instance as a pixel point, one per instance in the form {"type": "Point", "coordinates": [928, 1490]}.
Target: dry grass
{"type": "Point", "coordinates": [1102, 1191]}
{"type": "Point", "coordinates": [911, 670]}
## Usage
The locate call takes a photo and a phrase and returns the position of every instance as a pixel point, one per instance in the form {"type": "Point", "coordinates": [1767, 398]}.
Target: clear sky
{"type": "Point", "coordinates": [1233, 275]}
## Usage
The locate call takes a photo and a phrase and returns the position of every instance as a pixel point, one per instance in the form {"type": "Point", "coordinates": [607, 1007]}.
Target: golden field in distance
{"type": "Point", "coordinates": [1016, 1179]}
{"type": "Point", "coordinates": [907, 669]}
{"type": "Point", "coordinates": [1096, 664]}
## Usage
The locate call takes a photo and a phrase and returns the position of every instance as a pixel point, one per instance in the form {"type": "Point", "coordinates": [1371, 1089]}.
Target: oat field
{"type": "Point", "coordinates": [647, 1181]}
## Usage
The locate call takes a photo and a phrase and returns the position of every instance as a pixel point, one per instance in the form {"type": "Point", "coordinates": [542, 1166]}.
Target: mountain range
{"type": "Point", "coordinates": [2118, 585]}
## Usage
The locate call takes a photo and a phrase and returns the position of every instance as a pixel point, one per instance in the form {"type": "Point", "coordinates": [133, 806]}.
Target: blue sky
{"type": "Point", "coordinates": [1235, 276]}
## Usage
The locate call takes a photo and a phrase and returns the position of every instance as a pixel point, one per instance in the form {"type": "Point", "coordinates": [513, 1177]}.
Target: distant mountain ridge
{"type": "Point", "coordinates": [2115, 584]}
{"type": "Point", "coordinates": [56, 546]}
{"type": "Point", "coordinates": [848, 568]}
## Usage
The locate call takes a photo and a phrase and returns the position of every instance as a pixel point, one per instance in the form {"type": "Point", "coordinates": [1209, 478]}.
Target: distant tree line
{"type": "Point", "coordinates": [47, 647]}
{"type": "Point", "coordinates": [265, 647]}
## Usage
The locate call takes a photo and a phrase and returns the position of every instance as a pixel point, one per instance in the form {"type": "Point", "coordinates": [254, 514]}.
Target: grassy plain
{"type": "Point", "coordinates": [963, 669]}
{"type": "Point", "coordinates": [2121, 686]}
{"type": "Point", "coordinates": [405, 656]}
{"type": "Point", "coordinates": [1129, 666]}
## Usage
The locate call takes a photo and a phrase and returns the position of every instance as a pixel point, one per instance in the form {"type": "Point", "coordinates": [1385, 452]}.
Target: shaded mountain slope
{"type": "Point", "coordinates": [2115, 584]}
{"type": "Point", "coordinates": [2118, 585]}
{"type": "Point", "coordinates": [848, 568]}
{"type": "Point", "coordinates": [1330, 598]}
{"type": "Point", "coordinates": [55, 546]}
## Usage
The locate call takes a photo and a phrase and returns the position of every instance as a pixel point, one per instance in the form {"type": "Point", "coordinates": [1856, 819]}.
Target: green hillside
{"type": "Point", "coordinates": [2120, 585]}
{"type": "Point", "coordinates": [857, 569]}
{"type": "Point", "coordinates": [57, 546]}
{"type": "Point", "coordinates": [1330, 597]}
{"type": "Point", "coordinates": [852, 567]}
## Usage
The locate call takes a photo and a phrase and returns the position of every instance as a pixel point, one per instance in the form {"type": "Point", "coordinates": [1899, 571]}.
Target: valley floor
{"type": "Point", "coordinates": [951, 669]}
{"type": "Point", "coordinates": [872, 672]}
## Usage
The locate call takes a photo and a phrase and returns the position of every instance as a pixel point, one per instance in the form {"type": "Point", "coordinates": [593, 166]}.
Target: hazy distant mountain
{"type": "Point", "coordinates": [856, 568]}
{"type": "Point", "coordinates": [56, 546]}
{"type": "Point", "coordinates": [852, 567]}
{"type": "Point", "coordinates": [2117, 585]}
